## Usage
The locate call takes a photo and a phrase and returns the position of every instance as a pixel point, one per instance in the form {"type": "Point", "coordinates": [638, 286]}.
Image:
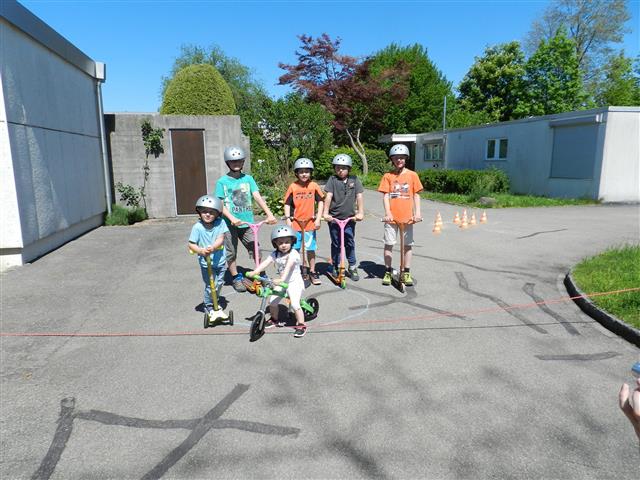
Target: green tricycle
{"type": "Point", "coordinates": [265, 287]}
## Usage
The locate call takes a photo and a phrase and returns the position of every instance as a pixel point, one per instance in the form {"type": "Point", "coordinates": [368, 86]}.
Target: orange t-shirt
{"type": "Point", "coordinates": [401, 189]}
{"type": "Point", "coordinates": [302, 199]}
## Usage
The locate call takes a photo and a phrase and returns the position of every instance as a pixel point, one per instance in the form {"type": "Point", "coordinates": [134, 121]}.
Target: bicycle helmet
{"type": "Point", "coordinates": [342, 159]}
{"type": "Point", "coordinates": [282, 231]}
{"type": "Point", "coordinates": [302, 163]}
{"type": "Point", "coordinates": [233, 153]}
{"type": "Point", "coordinates": [399, 150]}
{"type": "Point", "coordinates": [207, 201]}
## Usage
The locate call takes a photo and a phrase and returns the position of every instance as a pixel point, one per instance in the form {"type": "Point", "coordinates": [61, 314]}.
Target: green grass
{"type": "Point", "coordinates": [125, 216]}
{"type": "Point", "coordinates": [615, 269]}
{"type": "Point", "coordinates": [505, 200]}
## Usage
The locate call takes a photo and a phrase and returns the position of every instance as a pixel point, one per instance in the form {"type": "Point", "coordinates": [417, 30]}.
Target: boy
{"type": "Point", "coordinates": [237, 190]}
{"type": "Point", "coordinates": [299, 200]}
{"type": "Point", "coordinates": [207, 238]}
{"type": "Point", "coordinates": [401, 199]}
{"type": "Point", "coordinates": [344, 195]}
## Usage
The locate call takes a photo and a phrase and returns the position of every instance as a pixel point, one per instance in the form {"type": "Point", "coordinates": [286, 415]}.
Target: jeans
{"type": "Point", "coordinates": [218, 274]}
{"type": "Point", "coordinates": [349, 243]}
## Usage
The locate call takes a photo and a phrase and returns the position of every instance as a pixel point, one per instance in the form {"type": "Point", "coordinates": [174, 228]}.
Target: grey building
{"type": "Point", "coordinates": [53, 169]}
{"type": "Point", "coordinates": [583, 154]}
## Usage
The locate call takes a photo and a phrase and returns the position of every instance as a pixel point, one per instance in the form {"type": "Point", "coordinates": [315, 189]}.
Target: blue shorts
{"type": "Point", "coordinates": [309, 241]}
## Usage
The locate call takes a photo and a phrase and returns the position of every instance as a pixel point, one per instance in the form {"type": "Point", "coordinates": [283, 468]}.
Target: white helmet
{"type": "Point", "coordinates": [207, 201]}
{"type": "Point", "coordinates": [399, 149]}
{"type": "Point", "coordinates": [233, 153]}
{"type": "Point", "coordinates": [302, 163]}
{"type": "Point", "coordinates": [282, 231]}
{"type": "Point", "coordinates": [342, 159]}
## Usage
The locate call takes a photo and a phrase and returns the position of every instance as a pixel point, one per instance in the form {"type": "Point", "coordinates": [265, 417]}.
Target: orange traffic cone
{"type": "Point", "coordinates": [473, 219]}
{"type": "Point", "coordinates": [483, 217]}
{"type": "Point", "coordinates": [436, 228]}
{"type": "Point", "coordinates": [464, 223]}
{"type": "Point", "coordinates": [456, 219]}
{"type": "Point", "coordinates": [439, 219]}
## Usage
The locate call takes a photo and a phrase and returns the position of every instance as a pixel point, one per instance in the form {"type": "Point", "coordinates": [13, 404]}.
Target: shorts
{"type": "Point", "coordinates": [231, 241]}
{"type": "Point", "coordinates": [391, 232]}
{"type": "Point", "coordinates": [309, 241]}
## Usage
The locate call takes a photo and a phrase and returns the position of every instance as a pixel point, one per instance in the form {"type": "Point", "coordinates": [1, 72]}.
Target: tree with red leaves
{"type": "Point", "coordinates": [345, 87]}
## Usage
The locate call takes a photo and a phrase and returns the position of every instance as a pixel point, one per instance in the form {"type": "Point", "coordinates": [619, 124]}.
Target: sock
{"type": "Point", "coordinates": [389, 269]}
{"type": "Point", "coordinates": [406, 270]}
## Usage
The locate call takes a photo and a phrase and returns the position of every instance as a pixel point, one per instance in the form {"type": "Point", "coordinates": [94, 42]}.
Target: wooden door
{"type": "Point", "coordinates": [189, 173]}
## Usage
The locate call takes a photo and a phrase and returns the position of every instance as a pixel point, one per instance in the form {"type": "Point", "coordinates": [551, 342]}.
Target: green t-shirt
{"type": "Point", "coordinates": [237, 195]}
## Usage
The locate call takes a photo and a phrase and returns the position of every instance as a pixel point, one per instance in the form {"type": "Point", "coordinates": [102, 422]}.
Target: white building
{"type": "Point", "coordinates": [53, 170]}
{"type": "Point", "coordinates": [583, 154]}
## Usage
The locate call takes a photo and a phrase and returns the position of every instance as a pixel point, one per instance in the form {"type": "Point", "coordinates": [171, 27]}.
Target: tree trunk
{"type": "Point", "coordinates": [359, 149]}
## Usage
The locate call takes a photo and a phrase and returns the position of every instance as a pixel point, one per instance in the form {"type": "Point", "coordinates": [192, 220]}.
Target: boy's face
{"type": "Point", "coordinates": [235, 165]}
{"type": "Point", "coordinates": [283, 244]}
{"type": "Point", "coordinates": [342, 171]}
{"type": "Point", "coordinates": [303, 174]}
{"type": "Point", "coordinates": [207, 215]}
{"type": "Point", "coordinates": [399, 161]}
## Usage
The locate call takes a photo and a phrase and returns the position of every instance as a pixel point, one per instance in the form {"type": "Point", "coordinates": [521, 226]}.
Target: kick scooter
{"type": "Point", "coordinates": [398, 279]}
{"type": "Point", "coordinates": [340, 280]}
{"type": "Point", "coordinates": [255, 228]}
{"type": "Point", "coordinates": [211, 317]}
{"type": "Point", "coordinates": [302, 224]}
{"type": "Point", "coordinates": [265, 289]}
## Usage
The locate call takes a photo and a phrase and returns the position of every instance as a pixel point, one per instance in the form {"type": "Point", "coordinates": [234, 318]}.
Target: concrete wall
{"type": "Point", "coordinates": [52, 179]}
{"type": "Point", "coordinates": [127, 153]}
{"type": "Point", "coordinates": [620, 174]}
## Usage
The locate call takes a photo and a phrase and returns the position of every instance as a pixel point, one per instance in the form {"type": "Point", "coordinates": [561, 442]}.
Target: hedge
{"type": "Point", "coordinates": [465, 182]}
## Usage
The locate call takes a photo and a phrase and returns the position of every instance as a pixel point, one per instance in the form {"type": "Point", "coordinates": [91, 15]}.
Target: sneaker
{"type": "Point", "coordinates": [281, 323]}
{"type": "Point", "coordinates": [353, 273]}
{"type": "Point", "coordinates": [238, 284]}
{"type": "Point", "coordinates": [315, 279]}
{"type": "Point", "coordinates": [386, 280]}
{"type": "Point", "coordinates": [300, 331]}
{"type": "Point", "coordinates": [407, 279]}
{"type": "Point", "coordinates": [269, 323]}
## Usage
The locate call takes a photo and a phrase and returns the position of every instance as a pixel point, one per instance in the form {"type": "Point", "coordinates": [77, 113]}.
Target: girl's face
{"type": "Point", "coordinates": [303, 174]}
{"type": "Point", "coordinates": [399, 161]}
{"type": "Point", "coordinates": [342, 171]}
{"type": "Point", "coordinates": [283, 244]}
{"type": "Point", "coordinates": [208, 215]}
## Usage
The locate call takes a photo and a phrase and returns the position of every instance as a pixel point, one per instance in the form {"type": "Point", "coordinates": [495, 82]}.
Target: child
{"type": "Point", "coordinates": [207, 238]}
{"type": "Point", "coordinates": [299, 201]}
{"type": "Point", "coordinates": [401, 199]}
{"type": "Point", "coordinates": [287, 261]}
{"type": "Point", "coordinates": [237, 190]}
{"type": "Point", "coordinates": [344, 193]}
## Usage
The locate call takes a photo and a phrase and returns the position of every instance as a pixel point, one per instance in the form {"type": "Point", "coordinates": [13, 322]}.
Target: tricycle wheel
{"type": "Point", "coordinates": [257, 327]}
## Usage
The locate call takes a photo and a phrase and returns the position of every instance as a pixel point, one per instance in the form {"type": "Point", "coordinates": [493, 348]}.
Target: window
{"type": "Point", "coordinates": [432, 151]}
{"type": "Point", "coordinates": [499, 153]}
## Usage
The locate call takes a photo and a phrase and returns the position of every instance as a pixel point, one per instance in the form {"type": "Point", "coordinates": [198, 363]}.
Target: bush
{"type": "Point", "coordinates": [377, 160]}
{"type": "Point", "coordinates": [198, 90]}
{"type": "Point", "coordinates": [465, 182]}
{"type": "Point", "coordinates": [125, 216]}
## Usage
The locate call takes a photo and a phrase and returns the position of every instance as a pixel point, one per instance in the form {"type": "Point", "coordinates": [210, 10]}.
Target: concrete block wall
{"type": "Point", "coordinates": [127, 153]}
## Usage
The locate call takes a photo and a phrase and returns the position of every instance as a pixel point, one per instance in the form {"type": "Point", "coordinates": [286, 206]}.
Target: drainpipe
{"type": "Point", "coordinates": [101, 70]}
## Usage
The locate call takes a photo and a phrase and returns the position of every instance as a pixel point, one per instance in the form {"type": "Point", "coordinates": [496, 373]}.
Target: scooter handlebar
{"type": "Point", "coordinates": [265, 280]}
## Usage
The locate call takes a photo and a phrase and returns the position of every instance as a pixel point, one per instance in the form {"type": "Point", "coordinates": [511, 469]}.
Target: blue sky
{"type": "Point", "coordinates": [139, 40]}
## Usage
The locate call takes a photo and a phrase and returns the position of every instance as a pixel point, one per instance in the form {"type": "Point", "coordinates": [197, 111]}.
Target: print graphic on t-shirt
{"type": "Point", "coordinates": [399, 190]}
{"type": "Point", "coordinates": [240, 200]}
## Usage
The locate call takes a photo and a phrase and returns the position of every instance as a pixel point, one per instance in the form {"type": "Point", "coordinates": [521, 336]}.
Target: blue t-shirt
{"type": "Point", "coordinates": [204, 237]}
{"type": "Point", "coordinates": [237, 195]}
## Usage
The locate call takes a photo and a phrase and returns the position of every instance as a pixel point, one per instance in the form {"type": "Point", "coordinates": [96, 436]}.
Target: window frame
{"type": "Point", "coordinates": [497, 149]}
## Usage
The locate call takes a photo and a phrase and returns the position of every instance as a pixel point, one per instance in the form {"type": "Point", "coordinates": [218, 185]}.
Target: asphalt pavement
{"type": "Point", "coordinates": [484, 369]}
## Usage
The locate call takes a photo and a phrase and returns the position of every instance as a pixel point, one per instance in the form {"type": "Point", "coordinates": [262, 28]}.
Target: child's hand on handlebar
{"type": "Point", "coordinates": [236, 221]}
{"type": "Point", "coordinates": [271, 220]}
{"type": "Point", "coordinates": [328, 218]}
{"type": "Point", "coordinates": [387, 219]}
{"type": "Point", "coordinates": [317, 223]}
{"type": "Point", "coordinates": [207, 250]}
{"type": "Point", "coordinates": [416, 218]}
{"type": "Point", "coordinates": [358, 217]}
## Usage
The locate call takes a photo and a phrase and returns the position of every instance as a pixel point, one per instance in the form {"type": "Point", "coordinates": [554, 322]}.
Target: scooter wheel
{"type": "Point", "coordinates": [206, 320]}
{"type": "Point", "coordinates": [230, 317]}
{"type": "Point", "coordinates": [343, 284]}
{"type": "Point", "coordinates": [313, 303]}
{"type": "Point", "coordinates": [257, 327]}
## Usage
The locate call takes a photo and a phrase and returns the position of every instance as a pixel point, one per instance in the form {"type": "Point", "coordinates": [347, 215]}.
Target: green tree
{"type": "Point", "coordinates": [249, 95]}
{"type": "Point", "coordinates": [619, 86]}
{"type": "Point", "coordinates": [552, 82]}
{"type": "Point", "coordinates": [421, 110]}
{"type": "Point", "coordinates": [293, 127]}
{"type": "Point", "coordinates": [593, 25]}
{"type": "Point", "coordinates": [493, 84]}
{"type": "Point", "coordinates": [198, 90]}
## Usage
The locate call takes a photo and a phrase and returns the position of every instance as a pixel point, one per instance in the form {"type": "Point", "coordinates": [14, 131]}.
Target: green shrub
{"type": "Point", "coordinates": [125, 216]}
{"type": "Point", "coordinates": [377, 160]}
{"type": "Point", "coordinates": [371, 180]}
{"type": "Point", "coordinates": [477, 183]}
{"type": "Point", "coordinates": [198, 90]}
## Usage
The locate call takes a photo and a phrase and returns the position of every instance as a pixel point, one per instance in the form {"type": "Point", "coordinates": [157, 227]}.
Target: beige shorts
{"type": "Point", "coordinates": [391, 233]}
